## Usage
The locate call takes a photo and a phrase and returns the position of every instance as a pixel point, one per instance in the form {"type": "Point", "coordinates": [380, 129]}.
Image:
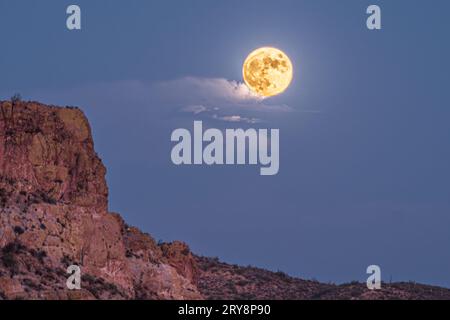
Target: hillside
{"type": "Point", "coordinates": [219, 280]}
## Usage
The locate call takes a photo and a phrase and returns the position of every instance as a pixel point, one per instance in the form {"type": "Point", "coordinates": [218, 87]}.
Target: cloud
{"type": "Point", "coordinates": [236, 118]}
{"type": "Point", "coordinates": [195, 109]}
{"type": "Point", "coordinates": [216, 98]}
{"type": "Point", "coordinates": [213, 89]}
{"type": "Point", "coordinates": [213, 113]}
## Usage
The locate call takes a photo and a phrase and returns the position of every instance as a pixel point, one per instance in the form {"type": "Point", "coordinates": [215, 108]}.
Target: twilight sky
{"type": "Point", "coordinates": [364, 128]}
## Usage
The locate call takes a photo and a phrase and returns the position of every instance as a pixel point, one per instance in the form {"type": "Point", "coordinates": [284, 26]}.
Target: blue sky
{"type": "Point", "coordinates": [364, 151]}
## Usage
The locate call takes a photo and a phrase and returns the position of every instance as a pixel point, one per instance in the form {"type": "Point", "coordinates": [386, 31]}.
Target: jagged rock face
{"type": "Point", "coordinates": [54, 212]}
{"type": "Point", "coordinates": [48, 152]}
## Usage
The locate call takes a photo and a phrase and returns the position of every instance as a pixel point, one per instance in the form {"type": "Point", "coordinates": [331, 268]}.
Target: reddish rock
{"type": "Point", "coordinates": [180, 257]}
{"type": "Point", "coordinates": [54, 204]}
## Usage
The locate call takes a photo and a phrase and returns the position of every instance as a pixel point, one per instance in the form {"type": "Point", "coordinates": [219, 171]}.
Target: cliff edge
{"type": "Point", "coordinates": [54, 213]}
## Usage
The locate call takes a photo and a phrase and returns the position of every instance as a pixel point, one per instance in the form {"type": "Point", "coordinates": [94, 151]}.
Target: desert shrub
{"type": "Point", "coordinates": [129, 253]}
{"type": "Point", "coordinates": [16, 98]}
{"type": "Point", "coordinates": [242, 283]}
{"type": "Point", "coordinates": [97, 286]}
{"type": "Point", "coordinates": [13, 247]}
{"type": "Point", "coordinates": [18, 230]}
{"type": "Point", "coordinates": [44, 197]}
{"type": "Point", "coordinates": [9, 261]}
{"type": "Point", "coordinates": [3, 197]}
{"type": "Point", "coordinates": [40, 255]}
{"type": "Point", "coordinates": [30, 283]}
{"type": "Point", "coordinates": [66, 261]}
{"type": "Point", "coordinates": [8, 256]}
{"type": "Point", "coordinates": [282, 274]}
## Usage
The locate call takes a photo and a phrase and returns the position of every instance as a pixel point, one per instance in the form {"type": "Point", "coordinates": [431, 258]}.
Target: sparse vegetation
{"type": "Point", "coordinates": [66, 261]}
{"type": "Point", "coordinates": [40, 255]}
{"type": "Point", "coordinates": [16, 98]}
{"type": "Point", "coordinates": [3, 197]}
{"type": "Point", "coordinates": [8, 256]}
{"type": "Point", "coordinates": [218, 280]}
{"type": "Point", "coordinates": [18, 230]}
{"type": "Point", "coordinates": [99, 287]}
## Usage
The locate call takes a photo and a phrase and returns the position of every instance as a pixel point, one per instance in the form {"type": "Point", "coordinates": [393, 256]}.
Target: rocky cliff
{"type": "Point", "coordinates": [54, 213]}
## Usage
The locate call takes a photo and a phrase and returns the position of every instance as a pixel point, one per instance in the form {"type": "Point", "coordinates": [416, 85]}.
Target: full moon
{"type": "Point", "coordinates": [267, 71]}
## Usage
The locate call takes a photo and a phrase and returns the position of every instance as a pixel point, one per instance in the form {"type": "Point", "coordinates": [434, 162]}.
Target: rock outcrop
{"type": "Point", "coordinates": [54, 213]}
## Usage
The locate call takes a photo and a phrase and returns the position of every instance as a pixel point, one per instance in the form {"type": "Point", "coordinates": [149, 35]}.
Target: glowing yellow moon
{"type": "Point", "coordinates": [267, 71]}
